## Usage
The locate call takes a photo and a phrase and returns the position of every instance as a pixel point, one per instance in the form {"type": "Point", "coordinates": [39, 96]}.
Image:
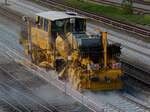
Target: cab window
{"type": "Point", "coordinates": [45, 25]}
{"type": "Point", "coordinates": [39, 22]}
{"type": "Point", "coordinates": [80, 25]}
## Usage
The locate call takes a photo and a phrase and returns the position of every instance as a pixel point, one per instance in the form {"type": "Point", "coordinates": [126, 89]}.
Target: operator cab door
{"type": "Point", "coordinates": [42, 23]}
{"type": "Point", "coordinates": [40, 34]}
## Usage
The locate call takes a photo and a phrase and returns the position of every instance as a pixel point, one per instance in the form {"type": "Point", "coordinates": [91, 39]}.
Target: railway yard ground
{"type": "Point", "coordinates": [22, 89]}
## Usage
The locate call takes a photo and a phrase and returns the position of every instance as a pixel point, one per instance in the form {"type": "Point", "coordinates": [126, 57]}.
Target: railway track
{"type": "Point", "coordinates": [22, 97]}
{"type": "Point", "coordinates": [137, 72]}
{"type": "Point", "coordinates": [22, 107]}
{"type": "Point", "coordinates": [136, 9]}
{"type": "Point", "coordinates": [145, 33]}
{"type": "Point", "coordinates": [11, 14]}
{"type": "Point", "coordinates": [136, 78]}
{"type": "Point", "coordinates": [144, 2]}
{"type": "Point", "coordinates": [143, 107]}
{"type": "Point", "coordinates": [133, 84]}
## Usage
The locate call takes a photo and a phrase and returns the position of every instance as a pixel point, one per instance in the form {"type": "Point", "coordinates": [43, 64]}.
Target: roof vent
{"type": "Point", "coordinates": [71, 13]}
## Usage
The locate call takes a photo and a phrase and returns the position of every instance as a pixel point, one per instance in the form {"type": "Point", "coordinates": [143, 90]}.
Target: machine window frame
{"type": "Point", "coordinates": [40, 23]}
{"type": "Point", "coordinates": [80, 25]}
{"type": "Point", "coordinates": [45, 25]}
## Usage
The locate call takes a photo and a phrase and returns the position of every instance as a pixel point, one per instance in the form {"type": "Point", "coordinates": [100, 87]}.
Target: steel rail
{"type": "Point", "coordinates": [131, 48]}
{"type": "Point", "coordinates": [135, 67]}
{"type": "Point", "coordinates": [133, 86]}
{"type": "Point", "coordinates": [137, 73]}
{"type": "Point", "coordinates": [8, 86]}
{"type": "Point", "coordinates": [11, 14]}
{"type": "Point", "coordinates": [137, 78]}
{"type": "Point", "coordinates": [145, 33]}
{"type": "Point", "coordinates": [10, 104]}
{"type": "Point", "coordinates": [137, 84]}
{"type": "Point", "coordinates": [128, 98]}
{"type": "Point", "coordinates": [140, 79]}
{"type": "Point", "coordinates": [52, 108]}
{"type": "Point", "coordinates": [144, 2]}
{"type": "Point", "coordinates": [21, 106]}
{"type": "Point", "coordinates": [17, 3]}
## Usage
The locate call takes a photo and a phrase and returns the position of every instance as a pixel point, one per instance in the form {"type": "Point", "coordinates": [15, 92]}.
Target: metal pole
{"type": "Point", "coordinates": [104, 41]}
{"type": "Point", "coordinates": [65, 88]}
{"type": "Point", "coordinates": [5, 2]}
{"type": "Point", "coordinates": [29, 37]}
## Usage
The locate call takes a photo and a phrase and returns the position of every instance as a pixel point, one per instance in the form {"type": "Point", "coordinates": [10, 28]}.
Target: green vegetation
{"type": "Point", "coordinates": [35, 0]}
{"type": "Point", "coordinates": [109, 11]}
{"type": "Point", "coordinates": [127, 6]}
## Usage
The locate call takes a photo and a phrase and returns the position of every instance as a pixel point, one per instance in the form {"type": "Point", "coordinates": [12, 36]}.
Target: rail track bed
{"type": "Point", "coordinates": [16, 89]}
{"type": "Point", "coordinates": [137, 84]}
{"type": "Point", "coordinates": [139, 75]}
{"type": "Point", "coordinates": [16, 16]}
{"type": "Point", "coordinates": [142, 2]}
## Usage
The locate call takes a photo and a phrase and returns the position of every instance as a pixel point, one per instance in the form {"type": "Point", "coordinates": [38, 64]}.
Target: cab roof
{"type": "Point", "coordinates": [58, 15]}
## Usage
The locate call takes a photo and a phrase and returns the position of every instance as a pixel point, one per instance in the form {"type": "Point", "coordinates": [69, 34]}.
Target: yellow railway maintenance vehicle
{"type": "Point", "coordinates": [59, 40]}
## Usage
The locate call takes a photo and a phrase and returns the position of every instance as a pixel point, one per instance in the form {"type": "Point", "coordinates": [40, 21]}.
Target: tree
{"type": "Point", "coordinates": [127, 6]}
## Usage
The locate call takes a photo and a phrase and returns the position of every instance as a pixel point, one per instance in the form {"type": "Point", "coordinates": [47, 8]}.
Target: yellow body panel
{"type": "Point", "coordinates": [80, 79]}
{"type": "Point", "coordinates": [40, 38]}
{"type": "Point", "coordinates": [62, 47]}
{"type": "Point", "coordinates": [111, 73]}
{"type": "Point", "coordinates": [101, 85]}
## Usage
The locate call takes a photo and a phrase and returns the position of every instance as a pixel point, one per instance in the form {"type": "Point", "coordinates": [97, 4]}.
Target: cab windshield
{"type": "Point", "coordinates": [80, 25]}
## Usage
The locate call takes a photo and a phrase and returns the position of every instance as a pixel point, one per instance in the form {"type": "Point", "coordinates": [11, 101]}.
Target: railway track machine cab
{"type": "Point", "coordinates": [59, 40]}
